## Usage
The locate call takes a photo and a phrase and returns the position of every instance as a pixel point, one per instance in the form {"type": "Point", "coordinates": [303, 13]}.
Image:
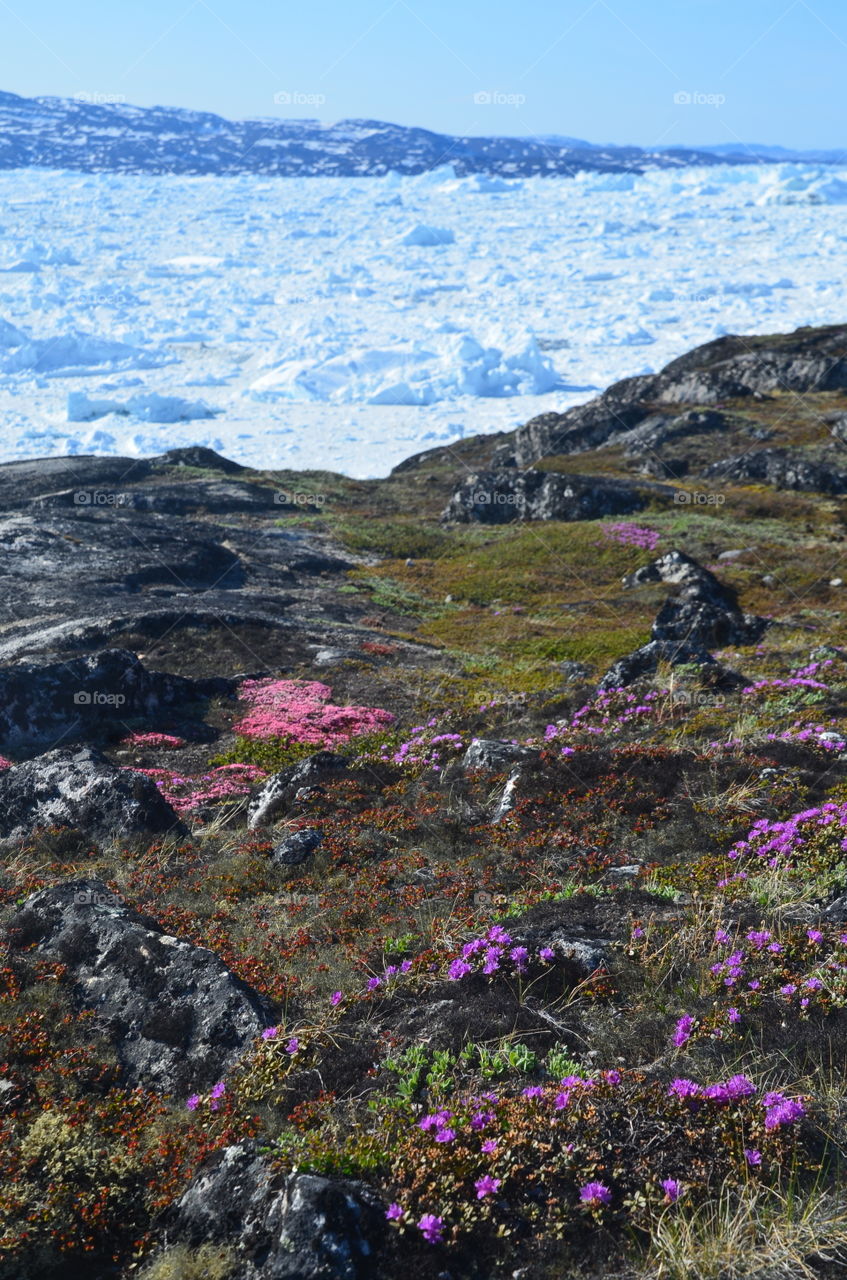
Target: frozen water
{"type": "Point", "coordinates": [347, 323]}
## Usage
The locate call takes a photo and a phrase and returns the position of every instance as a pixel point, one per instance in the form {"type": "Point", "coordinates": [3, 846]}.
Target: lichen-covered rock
{"type": "Point", "coordinates": [78, 789]}
{"type": "Point", "coordinates": [278, 793]}
{"type": "Point", "coordinates": [703, 612]}
{"type": "Point", "coordinates": [495, 756]}
{"type": "Point", "coordinates": [500, 497]}
{"type": "Point", "coordinates": [178, 1017]}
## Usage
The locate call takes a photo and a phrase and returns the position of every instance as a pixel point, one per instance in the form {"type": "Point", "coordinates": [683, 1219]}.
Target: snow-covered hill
{"type": "Point", "coordinates": [66, 133]}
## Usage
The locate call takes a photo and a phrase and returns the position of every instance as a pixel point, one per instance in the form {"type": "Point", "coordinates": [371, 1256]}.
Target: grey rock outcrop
{"type": "Point", "coordinates": [178, 1017]}
{"type": "Point", "coordinates": [78, 789]}
{"type": "Point", "coordinates": [500, 497]}
{"type": "Point", "coordinates": [296, 1226]}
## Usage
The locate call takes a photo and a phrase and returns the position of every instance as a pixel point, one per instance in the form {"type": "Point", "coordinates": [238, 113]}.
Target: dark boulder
{"type": "Point", "coordinates": [281, 1226]}
{"type": "Point", "coordinates": [645, 661]}
{"type": "Point", "coordinates": [178, 1017]}
{"type": "Point", "coordinates": [703, 612]}
{"type": "Point", "coordinates": [88, 697]}
{"type": "Point", "coordinates": [79, 790]}
{"type": "Point", "coordinates": [296, 847]}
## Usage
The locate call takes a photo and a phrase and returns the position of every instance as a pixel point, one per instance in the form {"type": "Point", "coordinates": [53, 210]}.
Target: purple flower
{"type": "Point", "coordinates": [612, 1077]}
{"type": "Point", "coordinates": [562, 1099]}
{"type": "Point", "coordinates": [336, 997]}
{"type": "Point", "coordinates": [394, 1212]}
{"type": "Point", "coordinates": [193, 1102]}
{"type": "Point", "coordinates": [405, 966]}
{"type": "Point", "coordinates": [486, 1186]}
{"type": "Point", "coordinates": [721, 936]}
{"type": "Point", "coordinates": [533, 1091]}
{"type": "Point", "coordinates": [733, 1015]}
{"type": "Point", "coordinates": [270, 1033]}
{"type": "Point", "coordinates": [547, 954]}
{"type": "Point", "coordinates": [638, 932]}
{"type": "Point", "coordinates": [457, 970]}
{"type": "Point", "coordinates": [787, 1111]}
{"type": "Point", "coordinates": [814, 935]}
{"type": "Point", "coordinates": [373, 983]}
{"type": "Point", "coordinates": [788, 989]}
{"type": "Point", "coordinates": [683, 1030]}
{"type": "Point", "coordinates": [489, 1147]}
{"type": "Point", "coordinates": [218, 1090]}
{"type": "Point", "coordinates": [672, 1190]}
{"type": "Point", "coordinates": [293, 1045]}
{"type": "Point", "coordinates": [432, 1228]}
{"type": "Point", "coordinates": [498, 934]}
{"type": "Point", "coordinates": [682, 1088]}
{"type": "Point", "coordinates": [445, 1135]}
{"type": "Point", "coordinates": [520, 955]}
{"type": "Point", "coordinates": [481, 1119]}
{"type": "Point", "coordinates": [595, 1194]}
{"type": "Point", "coordinates": [753, 1156]}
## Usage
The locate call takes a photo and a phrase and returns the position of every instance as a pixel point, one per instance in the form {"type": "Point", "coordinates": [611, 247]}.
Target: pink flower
{"type": "Point", "coordinates": [336, 998]}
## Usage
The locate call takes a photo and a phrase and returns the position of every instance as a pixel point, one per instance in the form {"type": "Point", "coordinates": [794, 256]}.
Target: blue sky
{"type": "Point", "coordinates": [650, 72]}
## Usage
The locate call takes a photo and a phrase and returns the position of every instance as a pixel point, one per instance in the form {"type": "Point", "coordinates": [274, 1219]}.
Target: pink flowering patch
{"type": "Point", "coordinates": [4, 763]}
{"type": "Point", "coordinates": [164, 741]}
{"type": "Point", "coordinates": [184, 793]}
{"type": "Point", "coordinates": [302, 711]}
{"type": "Point", "coordinates": [632, 535]}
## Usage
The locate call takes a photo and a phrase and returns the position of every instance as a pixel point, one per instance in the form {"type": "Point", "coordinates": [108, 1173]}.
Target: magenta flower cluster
{"type": "Point", "coordinates": [492, 953]}
{"type": "Point", "coordinates": [632, 535]}
{"type": "Point", "coordinates": [302, 711]}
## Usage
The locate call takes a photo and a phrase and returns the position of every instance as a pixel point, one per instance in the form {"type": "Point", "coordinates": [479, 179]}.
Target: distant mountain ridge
{"type": "Point", "coordinates": [68, 133]}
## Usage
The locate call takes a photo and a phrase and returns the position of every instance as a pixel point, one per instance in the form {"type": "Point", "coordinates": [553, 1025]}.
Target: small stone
{"type": "Point", "coordinates": [296, 847]}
